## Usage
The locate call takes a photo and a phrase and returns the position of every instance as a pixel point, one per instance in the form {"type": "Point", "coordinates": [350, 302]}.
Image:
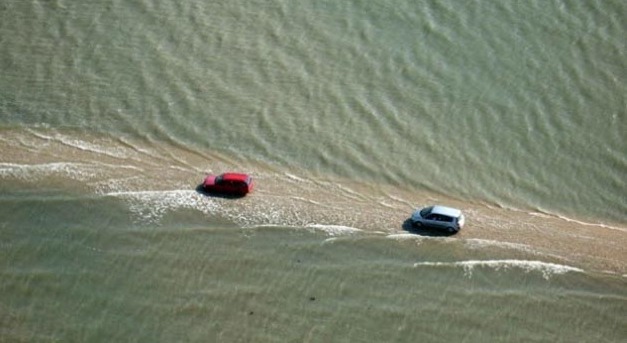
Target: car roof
{"type": "Point", "coordinates": [447, 211]}
{"type": "Point", "coordinates": [235, 177]}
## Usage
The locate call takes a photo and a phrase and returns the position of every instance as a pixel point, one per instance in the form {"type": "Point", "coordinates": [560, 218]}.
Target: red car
{"type": "Point", "coordinates": [228, 183]}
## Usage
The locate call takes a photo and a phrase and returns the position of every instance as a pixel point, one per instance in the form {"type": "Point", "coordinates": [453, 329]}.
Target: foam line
{"type": "Point", "coordinates": [90, 147]}
{"type": "Point", "coordinates": [26, 171]}
{"type": "Point", "coordinates": [74, 170]}
{"type": "Point", "coordinates": [405, 236]}
{"type": "Point", "coordinates": [481, 243]}
{"type": "Point", "coordinates": [294, 177]}
{"type": "Point", "coordinates": [150, 193]}
{"type": "Point", "coordinates": [547, 269]}
{"type": "Point", "coordinates": [334, 230]}
{"type": "Point", "coordinates": [104, 147]}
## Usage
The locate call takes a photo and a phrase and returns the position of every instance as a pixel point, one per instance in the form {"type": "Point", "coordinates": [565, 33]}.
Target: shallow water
{"type": "Point", "coordinates": [110, 281]}
{"type": "Point", "coordinates": [348, 115]}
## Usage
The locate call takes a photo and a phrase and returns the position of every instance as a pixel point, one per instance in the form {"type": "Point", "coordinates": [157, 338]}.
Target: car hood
{"type": "Point", "coordinates": [416, 215]}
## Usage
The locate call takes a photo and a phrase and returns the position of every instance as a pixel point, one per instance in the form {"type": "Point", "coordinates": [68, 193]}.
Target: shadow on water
{"type": "Point", "coordinates": [201, 190]}
{"type": "Point", "coordinates": [424, 231]}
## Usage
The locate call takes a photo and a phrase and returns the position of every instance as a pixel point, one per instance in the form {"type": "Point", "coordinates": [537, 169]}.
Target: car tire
{"type": "Point", "coordinates": [451, 230]}
{"type": "Point", "coordinates": [417, 224]}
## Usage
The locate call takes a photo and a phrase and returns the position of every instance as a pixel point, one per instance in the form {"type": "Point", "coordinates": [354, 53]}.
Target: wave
{"type": "Point", "coordinates": [405, 236]}
{"type": "Point", "coordinates": [295, 178]}
{"type": "Point", "coordinates": [547, 269]}
{"type": "Point", "coordinates": [334, 230]}
{"type": "Point", "coordinates": [105, 147]}
{"type": "Point", "coordinates": [579, 222]}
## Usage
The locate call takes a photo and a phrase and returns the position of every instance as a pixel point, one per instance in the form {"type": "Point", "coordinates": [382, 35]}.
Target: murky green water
{"type": "Point", "coordinates": [348, 115]}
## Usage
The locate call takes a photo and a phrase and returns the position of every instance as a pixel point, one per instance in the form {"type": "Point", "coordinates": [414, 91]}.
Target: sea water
{"type": "Point", "coordinates": [348, 115]}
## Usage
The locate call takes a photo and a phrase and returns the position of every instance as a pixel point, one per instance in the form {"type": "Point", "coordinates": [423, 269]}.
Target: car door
{"type": "Point", "coordinates": [224, 186]}
{"type": "Point", "coordinates": [446, 222]}
{"type": "Point", "coordinates": [231, 187]}
{"type": "Point", "coordinates": [433, 220]}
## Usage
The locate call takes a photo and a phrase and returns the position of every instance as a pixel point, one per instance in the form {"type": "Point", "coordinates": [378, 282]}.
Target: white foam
{"type": "Point", "coordinates": [547, 269]}
{"type": "Point", "coordinates": [80, 171]}
{"type": "Point", "coordinates": [39, 135]}
{"type": "Point", "coordinates": [334, 230]}
{"type": "Point", "coordinates": [151, 206]}
{"type": "Point", "coordinates": [384, 204]}
{"type": "Point", "coordinates": [274, 226]}
{"type": "Point", "coordinates": [347, 192]}
{"type": "Point", "coordinates": [579, 222]}
{"type": "Point", "coordinates": [405, 236]}
{"type": "Point", "coordinates": [116, 152]}
{"type": "Point", "coordinates": [482, 243]}
{"type": "Point", "coordinates": [294, 177]}
{"type": "Point", "coordinates": [593, 224]}
{"type": "Point", "coordinates": [75, 170]}
{"type": "Point", "coordinates": [113, 151]}
{"type": "Point", "coordinates": [398, 199]}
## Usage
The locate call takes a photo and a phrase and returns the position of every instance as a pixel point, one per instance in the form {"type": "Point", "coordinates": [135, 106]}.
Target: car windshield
{"type": "Point", "coordinates": [425, 211]}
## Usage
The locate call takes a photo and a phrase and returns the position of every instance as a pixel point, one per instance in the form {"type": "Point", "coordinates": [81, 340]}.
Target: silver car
{"type": "Point", "coordinates": [441, 217]}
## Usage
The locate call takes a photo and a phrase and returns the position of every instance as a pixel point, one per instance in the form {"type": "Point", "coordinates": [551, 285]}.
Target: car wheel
{"type": "Point", "coordinates": [417, 224]}
{"type": "Point", "coordinates": [451, 230]}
